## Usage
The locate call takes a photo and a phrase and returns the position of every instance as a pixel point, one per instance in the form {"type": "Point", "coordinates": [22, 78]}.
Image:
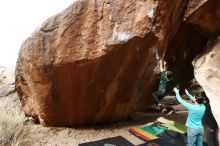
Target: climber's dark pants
{"type": "Point", "coordinates": [158, 95]}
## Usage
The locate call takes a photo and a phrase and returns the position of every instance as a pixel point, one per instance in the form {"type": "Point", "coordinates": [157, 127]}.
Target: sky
{"type": "Point", "coordinates": [19, 18]}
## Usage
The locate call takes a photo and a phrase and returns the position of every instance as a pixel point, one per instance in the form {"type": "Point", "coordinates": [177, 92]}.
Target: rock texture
{"type": "Point", "coordinates": [204, 15]}
{"type": "Point", "coordinates": [207, 73]}
{"type": "Point", "coordinates": [97, 60]}
{"type": "Point", "coordinates": [7, 81]}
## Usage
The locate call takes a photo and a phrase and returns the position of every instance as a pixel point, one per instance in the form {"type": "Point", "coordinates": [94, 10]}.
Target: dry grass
{"type": "Point", "coordinates": [1, 79]}
{"type": "Point", "coordinates": [11, 125]}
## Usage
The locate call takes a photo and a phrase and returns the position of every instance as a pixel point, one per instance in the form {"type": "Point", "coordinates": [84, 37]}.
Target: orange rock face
{"type": "Point", "coordinates": [96, 61]}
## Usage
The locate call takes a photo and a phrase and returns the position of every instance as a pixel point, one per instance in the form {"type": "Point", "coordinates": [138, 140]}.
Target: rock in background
{"type": "Point", "coordinates": [7, 81]}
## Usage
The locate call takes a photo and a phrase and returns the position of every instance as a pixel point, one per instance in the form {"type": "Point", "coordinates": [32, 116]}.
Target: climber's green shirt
{"type": "Point", "coordinates": [163, 82]}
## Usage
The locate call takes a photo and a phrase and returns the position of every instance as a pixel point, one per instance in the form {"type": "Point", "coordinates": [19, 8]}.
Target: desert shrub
{"type": "Point", "coordinates": [1, 79]}
{"type": "Point", "coordinates": [11, 125]}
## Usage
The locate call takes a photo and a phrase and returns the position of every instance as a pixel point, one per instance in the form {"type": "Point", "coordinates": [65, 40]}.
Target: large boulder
{"type": "Point", "coordinates": [207, 73]}
{"type": "Point", "coordinates": [97, 60]}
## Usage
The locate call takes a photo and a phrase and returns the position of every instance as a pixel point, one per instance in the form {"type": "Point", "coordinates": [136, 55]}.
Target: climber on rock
{"type": "Point", "coordinates": [165, 77]}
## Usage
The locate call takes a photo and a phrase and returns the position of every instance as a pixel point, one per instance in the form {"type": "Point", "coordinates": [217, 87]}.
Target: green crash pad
{"type": "Point", "coordinates": [172, 125]}
{"type": "Point", "coordinates": [154, 129]}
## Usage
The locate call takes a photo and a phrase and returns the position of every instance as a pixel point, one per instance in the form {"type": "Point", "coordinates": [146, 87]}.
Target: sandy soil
{"type": "Point", "coordinates": [37, 135]}
{"type": "Point", "coordinates": [42, 136]}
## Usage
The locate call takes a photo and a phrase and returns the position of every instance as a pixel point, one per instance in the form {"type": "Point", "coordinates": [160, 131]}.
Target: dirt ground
{"type": "Point", "coordinates": [42, 136]}
{"type": "Point", "coordinates": [37, 135]}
